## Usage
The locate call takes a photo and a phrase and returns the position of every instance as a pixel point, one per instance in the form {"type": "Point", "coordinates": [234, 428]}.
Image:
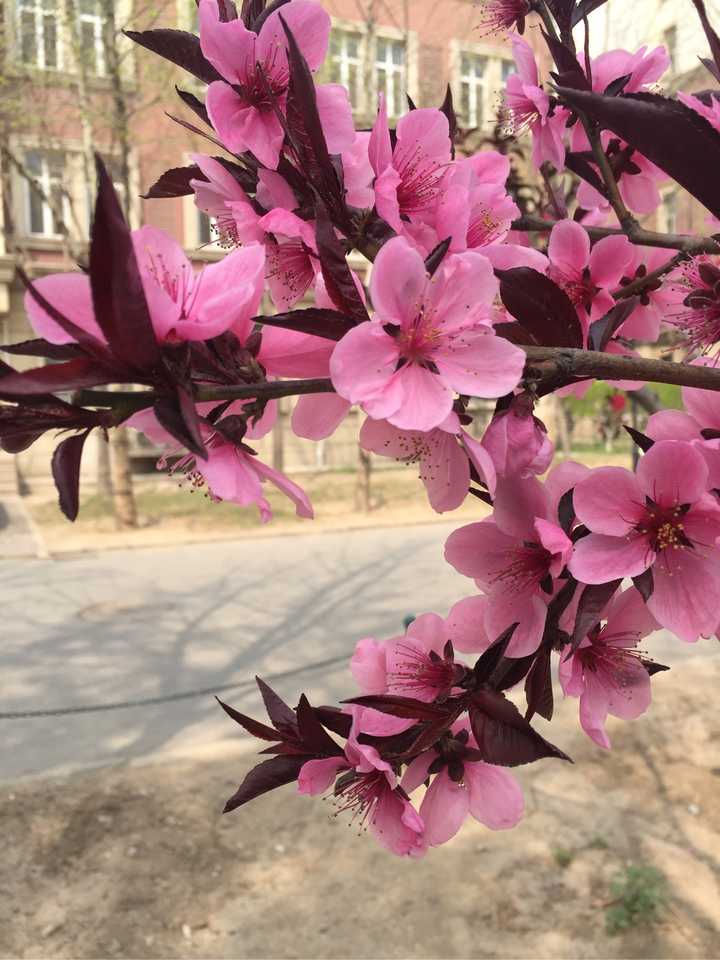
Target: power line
{"type": "Point", "coordinates": [168, 698]}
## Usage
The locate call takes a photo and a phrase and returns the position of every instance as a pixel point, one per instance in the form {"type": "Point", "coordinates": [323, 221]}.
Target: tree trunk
{"type": "Point", "coordinates": [278, 439]}
{"type": "Point", "coordinates": [561, 426]}
{"type": "Point", "coordinates": [104, 476]}
{"type": "Point", "coordinates": [363, 490]}
{"type": "Point", "coordinates": [123, 497]}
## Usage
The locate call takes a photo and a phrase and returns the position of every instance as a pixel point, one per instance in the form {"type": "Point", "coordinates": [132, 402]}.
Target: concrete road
{"type": "Point", "coordinates": [121, 625]}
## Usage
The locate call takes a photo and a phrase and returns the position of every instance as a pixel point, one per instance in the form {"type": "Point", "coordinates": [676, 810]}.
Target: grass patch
{"type": "Point", "coordinates": [639, 896]}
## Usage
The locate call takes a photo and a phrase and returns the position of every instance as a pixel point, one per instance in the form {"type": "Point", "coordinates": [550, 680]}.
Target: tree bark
{"type": "Point", "coordinates": [363, 485]}
{"type": "Point", "coordinates": [123, 497]}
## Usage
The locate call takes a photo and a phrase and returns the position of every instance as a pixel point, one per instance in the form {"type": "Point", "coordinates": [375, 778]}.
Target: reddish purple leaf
{"type": "Point", "coordinates": [671, 135]}
{"type": "Point", "coordinates": [264, 14]}
{"type": "Point", "coordinates": [257, 729]}
{"type": "Point", "coordinates": [178, 415]}
{"type": "Point", "coordinates": [503, 735]}
{"type": "Point", "coordinates": [41, 348]}
{"type": "Point", "coordinates": [71, 375]}
{"type": "Point", "coordinates": [638, 438]}
{"type": "Point", "coordinates": [179, 47]}
{"type": "Point", "coordinates": [313, 735]}
{"type": "Point", "coordinates": [264, 777]}
{"type": "Point", "coordinates": [406, 707]}
{"type": "Point", "coordinates": [174, 183]}
{"type": "Point", "coordinates": [66, 472]}
{"type": "Point", "coordinates": [337, 275]}
{"type": "Point", "coordinates": [605, 328]}
{"type": "Point", "coordinates": [118, 297]}
{"type": "Point", "coordinates": [334, 720]}
{"type": "Point", "coordinates": [540, 306]}
{"type": "Point", "coordinates": [196, 105]}
{"type": "Point", "coordinates": [645, 584]}
{"type": "Point", "coordinates": [712, 37]}
{"type": "Point", "coordinates": [329, 324]}
{"type": "Point", "coordinates": [538, 687]}
{"type": "Point", "coordinates": [437, 255]}
{"type": "Point", "coordinates": [593, 601]}
{"type": "Point", "coordinates": [281, 715]}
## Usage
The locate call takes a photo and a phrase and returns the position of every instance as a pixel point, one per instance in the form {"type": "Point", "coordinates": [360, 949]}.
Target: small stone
{"type": "Point", "coordinates": [104, 818]}
{"type": "Point", "coordinates": [11, 796]}
{"type": "Point", "coordinates": [279, 848]}
{"type": "Point", "coordinates": [187, 931]}
{"type": "Point", "coordinates": [149, 940]}
{"type": "Point", "coordinates": [49, 929]}
{"type": "Point", "coordinates": [693, 809]}
{"type": "Point", "coordinates": [131, 851]}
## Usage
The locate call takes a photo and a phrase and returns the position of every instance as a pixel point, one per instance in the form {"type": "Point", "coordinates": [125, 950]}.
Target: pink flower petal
{"type": "Point", "coordinates": [363, 362]}
{"type": "Point", "coordinates": [673, 472]}
{"type": "Point", "coordinates": [303, 507]}
{"type": "Point", "coordinates": [309, 24]}
{"type": "Point", "coordinates": [609, 260]}
{"type": "Point", "coordinates": [368, 666]}
{"type": "Point", "coordinates": [426, 402]}
{"type": "Point", "coordinates": [317, 416]}
{"type": "Point", "coordinates": [398, 281]}
{"type": "Point", "coordinates": [686, 597]}
{"type": "Point", "coordinates": [317, 775]}
{"type": "Point", "coordinates": [495, 796]}
{"type": "Point", "coordinates": [70, 294]}
{"type": "Point", "coordinates": [569, 247]}
{"type": "Point", "coordinates": [609, 500]}
{"type": "Point", "coordinates": [465, 625]}
{"type": "Point", "coordinates": [335, 112]}
{"type": "Point", "coordinates": [443, 810]}
{"type": "Point", "coordinates": [599, 558]}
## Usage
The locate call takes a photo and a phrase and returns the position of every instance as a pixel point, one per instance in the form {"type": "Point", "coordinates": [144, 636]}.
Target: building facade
{"type": "Point", "coordinates": [59, 89]}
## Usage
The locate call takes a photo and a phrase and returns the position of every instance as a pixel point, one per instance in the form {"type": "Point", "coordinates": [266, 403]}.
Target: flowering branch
{"type": "Point", "coordinates": [687, 243]}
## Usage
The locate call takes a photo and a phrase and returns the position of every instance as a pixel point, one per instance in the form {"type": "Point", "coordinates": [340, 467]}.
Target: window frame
{"type": "Point", "coordinates": [496, 58]}
{"type": "Point", "coordinates": [38, 8]}
{"type": "Point", "coordinates": [46, 180]}
{"type": "Point", "coordinates": [97, 21]}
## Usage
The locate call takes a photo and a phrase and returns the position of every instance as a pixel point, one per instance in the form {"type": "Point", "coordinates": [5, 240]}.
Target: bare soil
{"type": "Point", "coordinates": [138, 862]}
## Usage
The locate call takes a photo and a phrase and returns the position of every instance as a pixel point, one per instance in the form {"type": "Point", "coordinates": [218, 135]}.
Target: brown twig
{"type": "Point", "coordinates": [687, 243]}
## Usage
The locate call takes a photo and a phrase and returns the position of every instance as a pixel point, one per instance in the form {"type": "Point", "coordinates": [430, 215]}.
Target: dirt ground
{"type": "Point", "coordinates": [138, 862]}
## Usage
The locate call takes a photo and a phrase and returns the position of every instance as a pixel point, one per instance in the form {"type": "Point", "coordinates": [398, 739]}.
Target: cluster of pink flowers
{"type": "Point", "coordinates": [572, 567]}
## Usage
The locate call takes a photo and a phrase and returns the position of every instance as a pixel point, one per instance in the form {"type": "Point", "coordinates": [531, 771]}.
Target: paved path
{"type": "Point", "coordinates": [18, 536]}
{"type": "Point", "coordinates": [131, 624]}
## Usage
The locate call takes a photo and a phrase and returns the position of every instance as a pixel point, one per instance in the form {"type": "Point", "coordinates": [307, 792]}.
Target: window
{"type": "Point", "coordinates": [91, 28]}
{"type": "Point", "coordinates": [506, 68]}
{"type": "Point", "coordinates": [668, 213]}
{"type": "Point", "coordinates": [473, 75]}
{"type": "Point", "coordinates": [345, 64]}
{"type": "Point", "coordinates": [669, 39]}
{"type": "Point", "coordinates": [48, 169]}
{"type": "Point", "coordinates": [390, 74]}
{"type": "Point", "coordinates": [38, 33]}
{"type": "Point", "coordinates": [204, 229]}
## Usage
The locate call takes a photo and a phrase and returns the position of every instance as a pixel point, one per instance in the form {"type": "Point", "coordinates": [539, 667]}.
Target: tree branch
{"type": "Point", "coordinates": [687, 243]}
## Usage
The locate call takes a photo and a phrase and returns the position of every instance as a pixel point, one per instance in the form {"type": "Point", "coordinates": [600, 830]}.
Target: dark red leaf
{"type": "Point", "coordinates": [281, 715]}
{"type": "Point", "coordinates": [179, 47]}
{"type": "Point", "coordinates": [118, 297]}
{"type": "Point", "coordinates": [196, 105]}
{"type": "Point", "coordinates": [257, 729]}
{"type": "Point", "coordinates": [71, 375]}
{"type": "Point", "coordinates": [437, 255]}
{"type": "Point", "coordinates": [320, 322]}
{"type": "Point", "coordinates": [334, 720]}
{"type": "Point", "coordinates": [540, 306]}
{"type": "Point", "coordinates": [515, 333]}
{"type": "Point", "coordinates": [638, 438]}
{"type": "Point", "coordinates": [178, 415]}
{"type": "Point", "coordinates": [313, 735]}
{"type": "Point", "coordinates": [712, 37]}
{"type": "Point", "coordinates": [487, 663]}
{"type": "Point", "coordinates": [338, 277]}
{"type": "Point", "coordinates": [671, 135]}
{"type": "Point", "coordinates": [652, 667]}
{"type": "Point", "coordinates": [583, 9]}
{"type": "Point", "coordinates": [196, 130]}
{"type": "Point", "coordinates": [174, 183]}
{"type": "Point", "coordinates": [605, 328]}
{"type": "Point", "coordinates": [566, 62]}
{"type": "Point", "coordinates": [566, 511]}
{"type": "Point", "coordinates": [503, 735]}
{"type": "Point", "coordinates": [264, 777]}
{"type": "Point", "coordinates": [306, 134]}
{"type": "Point", "coordinates": [66, 472]}
{"type": "Point", "coordinates": [586, 171]}
{"type": "Point", "coordinates": [645, 584]}
{"type": "Point", "coordinates": [593, 601]}
{"type": "Point", "coordinates": [264, 14]}
{"type": "Point", "coordinates": [447, 107]}
{"type": "Point", "coordinates": [538, 687]}
{"type": "Point", "coordinates": [401, 706]}
{"type": "Point", "coordinates": [228, 10]}
{"type": "Point", "coordinates": [41, 348]}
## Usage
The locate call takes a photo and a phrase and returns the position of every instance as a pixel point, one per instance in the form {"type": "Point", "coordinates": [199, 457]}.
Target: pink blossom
{"type": "Point", "coordinates": [661, 517]}
{"type": "Point", "coordinates": [637, 179]}
{"type": "Point", "coordinates": [232, 471]}
{"type": "Point", "coordinates": [514, 557]}
{"type": "Point", "coordinates": [655, 299]}
{"type": "Point", "coordinates": [408, 178]}
{"type": "Point", "coordinates": [371, 795]}
{"type": "Point", "coordinates": [255, 75]}
{"type": "Point", "coordinates": [443, 457]}
{"type": "Point", "coordinates": [527, 107]}
{"type": "Point", "coordinates": [501, 15]}
{"type": "Point", "coordinates": [586, 275]}
{"type": "Point", "coordinates": [183, 305]}
{"type": "Point", "coordinates": [696, 308]}
{"type": "Point", "coordinates": [437, 324]}
{"type": "Point", "coordinates": [709, 110]}
{"type": "Point", "coordinates": [606, 671]}
{"type": "Point", "coordinates": [463, 784]}
{"type": "Point", "coordinates": [642, 69]}
{"type": "Point", "coordinates": [474, 209]}
{"type": "Point", "coordinates": [517, 441]}
{"type": "Point", "coordinates": [358, 172]}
